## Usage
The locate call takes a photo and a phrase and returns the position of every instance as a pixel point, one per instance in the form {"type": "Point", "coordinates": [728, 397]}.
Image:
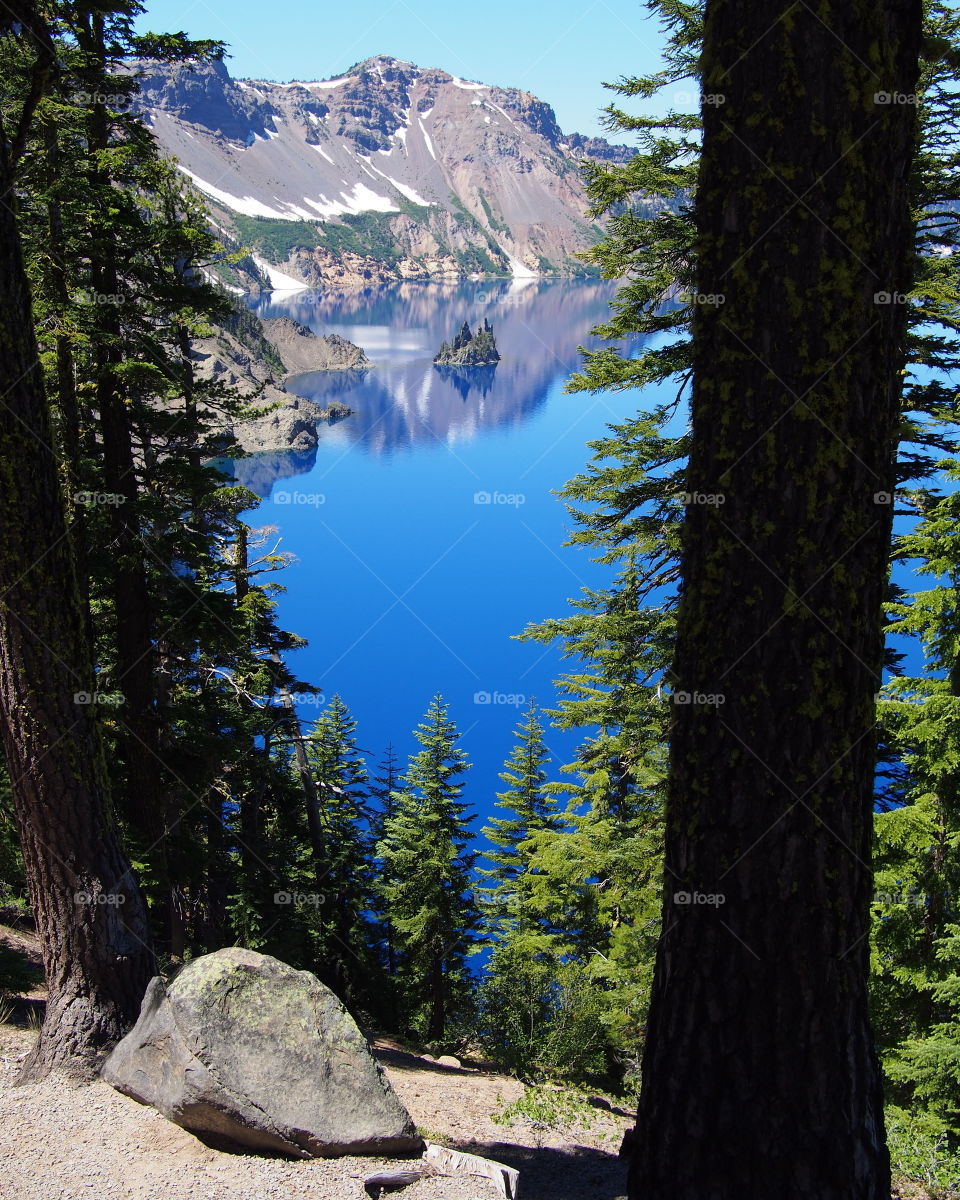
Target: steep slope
{"type": "Point", "coordinates": [389, 172]}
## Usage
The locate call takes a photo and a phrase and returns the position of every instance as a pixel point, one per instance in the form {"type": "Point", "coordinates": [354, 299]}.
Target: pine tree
{"type": "Point", "coordinates": [795, 414]}
{"type": "Point", "coordinates": [505, 900]}
{"type": "Point", "coordinates": [427, 878]}
{"type": "Point", "coordinates": [917, 879]}
{"type": "Point", "coordinates": [345, 950]}
{"type": "Point", "coordinates": [383, 789]}
{"type": "Point", "coordinates": [89, 911]}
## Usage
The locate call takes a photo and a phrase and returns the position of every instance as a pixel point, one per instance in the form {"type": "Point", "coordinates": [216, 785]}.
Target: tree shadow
{"type": "Point", "coordinates": [413, 1062]}
{"type": "Point", "coordinates": [549, 1172]}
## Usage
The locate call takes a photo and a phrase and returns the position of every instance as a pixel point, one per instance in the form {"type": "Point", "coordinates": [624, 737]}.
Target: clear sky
{"type": "Point", "coordinates": [563, 52]}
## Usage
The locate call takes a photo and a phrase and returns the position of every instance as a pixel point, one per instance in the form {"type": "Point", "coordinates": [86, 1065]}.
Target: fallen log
{"type": "Point", "coordinates": [454, 1162]}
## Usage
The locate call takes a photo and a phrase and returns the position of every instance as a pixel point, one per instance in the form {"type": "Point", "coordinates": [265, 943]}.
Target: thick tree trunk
{"type": "Point", "coordinates": [89, 912]}
{"type": "Point", "coordinates": [759, 1077]}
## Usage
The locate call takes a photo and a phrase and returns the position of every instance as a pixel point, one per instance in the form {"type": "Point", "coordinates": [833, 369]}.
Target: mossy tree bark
{"type": "Point", "coordinates": [90, 914]}
{"type": "Point", "coordinates": [759, 1075]}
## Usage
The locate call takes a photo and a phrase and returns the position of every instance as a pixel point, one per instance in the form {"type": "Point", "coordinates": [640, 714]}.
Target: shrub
{"type": "Point", "coordinates": [920, 1152]}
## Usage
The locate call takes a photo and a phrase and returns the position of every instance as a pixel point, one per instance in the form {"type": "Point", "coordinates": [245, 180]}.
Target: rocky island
{"type": "Point", "coordinates": [469, 349]}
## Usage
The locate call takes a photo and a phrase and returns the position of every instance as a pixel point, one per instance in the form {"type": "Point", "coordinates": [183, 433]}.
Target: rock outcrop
{"type": "Point", "coordinates": [253, 358]}
{"type": "Point", "coordinates": [279, 419]}
{"type": "Point", "coordinates": [302, 350]}
{"type": "Point", "coordinates": [246, 1051]}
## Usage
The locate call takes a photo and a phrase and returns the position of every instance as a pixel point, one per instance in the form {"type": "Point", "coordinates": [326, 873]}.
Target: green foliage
{"type": "Point", "coordinates": [368, 235]}
{"type": "Point", "coordinates": [344, 937]}
{"type": "Point", "coordinates": [12, 881]}
{"type": "Point", "coordinates": [492, 221]}
{"type": "Point", "coordinates": [538, 1017]}
{"type": "Point", "coordinates": [276, 239]}
{"type": "Point", "coordinates": [426, 879]}
{"type": "Point", "coordinates": [920, 1153]}
{"type": "Point", "coordinates": [506, 900]}
{"type": "Point", "coordinates": [544, 1110]}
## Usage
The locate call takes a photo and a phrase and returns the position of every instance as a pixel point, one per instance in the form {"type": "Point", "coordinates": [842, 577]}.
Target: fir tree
{"type": "Point", "coordinates": [505, 900]}
{"type": "Point", "coordinates": [426, 884]}
{"type": "Point", "coordinates": [345, 954]}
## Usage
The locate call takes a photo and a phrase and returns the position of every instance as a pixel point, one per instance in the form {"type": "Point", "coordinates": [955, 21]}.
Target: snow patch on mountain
{"type": "Point", "coordinates": [279, 281]}
{"type": "Point", "coordinates": [402, 188]}
{"type": "Point", "coordinates": [427, 140]}
{"type": "Point", "coordinates": [248, 205]}
{"type": "Point", "coordinates": [519, 270]}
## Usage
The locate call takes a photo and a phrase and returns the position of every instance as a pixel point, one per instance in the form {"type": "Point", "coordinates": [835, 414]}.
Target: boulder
{"type": "Point", "coordinates": [244, 1050]}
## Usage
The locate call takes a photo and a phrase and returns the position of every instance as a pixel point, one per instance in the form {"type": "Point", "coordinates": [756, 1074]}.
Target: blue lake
{"type": "Point", "coordinates": [425, 526]}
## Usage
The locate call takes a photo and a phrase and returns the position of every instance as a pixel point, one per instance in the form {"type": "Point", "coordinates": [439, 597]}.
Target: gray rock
{"type": "Point", "coordinates": [243, 1049]}
{"type": "Point", "coordinates": [303, 351]}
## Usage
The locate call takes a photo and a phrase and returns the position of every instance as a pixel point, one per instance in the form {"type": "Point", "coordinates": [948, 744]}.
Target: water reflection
{"type": "Point", "coordinates": [404, 401]}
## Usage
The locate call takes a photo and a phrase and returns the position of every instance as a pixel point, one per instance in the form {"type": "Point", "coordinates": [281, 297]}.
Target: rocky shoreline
{"type": "Point", "coordinates": [280, 419]}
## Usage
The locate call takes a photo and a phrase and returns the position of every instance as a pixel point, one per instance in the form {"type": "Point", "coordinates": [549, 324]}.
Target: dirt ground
{"type": "Point", "coordinates": [60, 1140]}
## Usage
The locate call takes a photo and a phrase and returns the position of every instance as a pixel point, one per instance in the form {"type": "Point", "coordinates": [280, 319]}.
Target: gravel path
{"type": "Point", "coordinates": [60, 1140]}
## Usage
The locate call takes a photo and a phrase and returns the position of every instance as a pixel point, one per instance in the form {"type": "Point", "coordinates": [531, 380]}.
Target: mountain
{"type": "Point", "coordinates": [390, 172]}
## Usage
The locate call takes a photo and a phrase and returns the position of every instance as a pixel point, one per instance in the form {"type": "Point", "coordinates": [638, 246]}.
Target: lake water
{"type": "Point", "coordinates": [425, 526]}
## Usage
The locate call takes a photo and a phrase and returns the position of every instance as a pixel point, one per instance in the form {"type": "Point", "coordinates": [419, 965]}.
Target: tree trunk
{"type": "Point", "coordinates": [759, 1073]}
{"type": "Point", "coordinates": [89, 912]}
{"type": "Point", "coordinates": [438, 1001]}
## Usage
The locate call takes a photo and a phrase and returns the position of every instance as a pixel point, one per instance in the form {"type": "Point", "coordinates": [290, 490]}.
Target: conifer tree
{"type": "Point", "coordinates": [88, 907]}
{"type": "Point", "coordinates": [345, 946]}
{"type": "Point", "coordinates": [383, 789]}
{"type": "Point", "coordinates": [917, 880]}
{"type": "Point", "coordinates": [505, 899]}
{"type": "Point", "coordinates": [427, 878]}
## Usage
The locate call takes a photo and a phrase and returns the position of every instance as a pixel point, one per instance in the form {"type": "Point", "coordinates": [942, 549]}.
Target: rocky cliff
{"type": "Point", "coordinates": [253, 357]}
{"type": "Point", "coordinates": [388, 172]}
{"type": "Point", "coordinates": [302, 350]}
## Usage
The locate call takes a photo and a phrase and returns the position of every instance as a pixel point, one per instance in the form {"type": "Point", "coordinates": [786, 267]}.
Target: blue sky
{"type": "Point", "coordinates": [563, 53]}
